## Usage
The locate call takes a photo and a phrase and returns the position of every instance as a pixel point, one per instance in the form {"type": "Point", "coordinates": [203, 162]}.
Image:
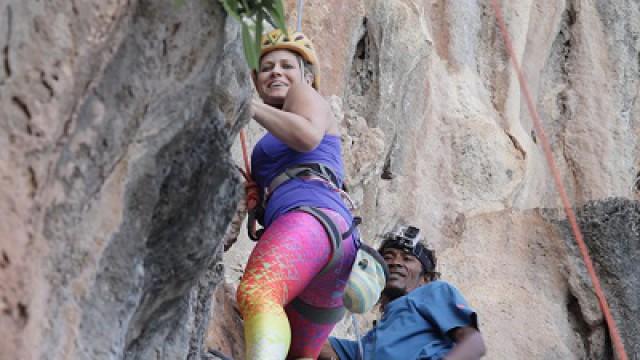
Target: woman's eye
{"type": "Point", "coordinates": [287, 66]}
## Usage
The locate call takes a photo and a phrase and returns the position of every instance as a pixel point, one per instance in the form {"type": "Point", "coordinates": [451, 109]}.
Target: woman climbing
{"type": "Point", "coordinates": [290, 295]}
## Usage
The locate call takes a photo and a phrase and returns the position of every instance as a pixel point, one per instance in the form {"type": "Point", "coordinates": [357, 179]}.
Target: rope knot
{"type": "Point", "coordinates": [252, 194]}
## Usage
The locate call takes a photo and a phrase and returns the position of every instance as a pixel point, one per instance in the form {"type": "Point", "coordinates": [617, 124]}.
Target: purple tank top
{"type": "Point", "coordinates": [270, 157]}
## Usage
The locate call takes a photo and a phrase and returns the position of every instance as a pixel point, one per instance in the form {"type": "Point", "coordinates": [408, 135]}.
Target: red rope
{"type": "Point", "coordinates": [251, 188]}
{"type": "Point", "coordinates": [245, 154]}
{"type": "Point", "coordinates": [613, 330]}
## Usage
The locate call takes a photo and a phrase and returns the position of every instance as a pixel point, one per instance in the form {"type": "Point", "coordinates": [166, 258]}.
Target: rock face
{"type": "Point", "coordinates": [117, 185]}
{"type": "Point", "coordinates": [460, 159]}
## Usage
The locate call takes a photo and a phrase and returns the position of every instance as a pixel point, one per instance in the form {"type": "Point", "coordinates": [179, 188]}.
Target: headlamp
{"type": "Point", "coordinates": [407, 239]}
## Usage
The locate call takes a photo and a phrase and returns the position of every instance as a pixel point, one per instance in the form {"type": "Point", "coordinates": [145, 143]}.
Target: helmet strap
{"type": "Point", "coordinates": [301, 63]}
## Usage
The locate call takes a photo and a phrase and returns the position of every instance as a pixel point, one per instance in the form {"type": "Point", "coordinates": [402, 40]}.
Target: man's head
{"type": "Point", "coordinates": [411, 264]}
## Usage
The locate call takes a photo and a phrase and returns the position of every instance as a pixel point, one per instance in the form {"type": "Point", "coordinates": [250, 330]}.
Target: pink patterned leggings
{"type": "Point", "coordinates": [285, 264]}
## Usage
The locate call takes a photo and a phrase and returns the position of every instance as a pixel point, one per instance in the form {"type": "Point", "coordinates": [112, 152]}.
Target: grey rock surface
{"type": "Point", "coordinates": [611, 229]}
{"type": "Point", "coordinates": [118, 120]}
{"type": "Point", "coordinates": [117, 183]}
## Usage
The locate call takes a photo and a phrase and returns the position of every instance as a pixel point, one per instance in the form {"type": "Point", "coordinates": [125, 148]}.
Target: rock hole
{"type": "Point", "coordinates": [33, 182]}
{"type": "Point", "coordinates": [516, 145]}
{"type": "Point", "coordinates": [23, 312]}
{"type": "Point", "coordinates": [164, 47]}
{"type": "Point", "coordinates": [43, 79]}
{"type": "Point", "coordinates": [54, 77]}
{"type": "Point", "coordinates": [23, 107]}
{"type": "Point", "coordinates": [577, 321]}
{"type": "Point", "coordinates": [563, 104]}
{"type": "Point", "coordinates": [387, 174]}
{"type": "Point", "coordinates": [533, 137]}
{"type": "Point", "coordinates": [636, 183]}
{"type": "Point", "coordinates": [7, 65]}
{"type": "Point", "coordinates": [174, 28]}
{"type": "Point", "coordinates": [361, 71]}
{"type": "Point", "coordinates": [4, 260]}
{"type": "Point", "coordinates": [572, 14]}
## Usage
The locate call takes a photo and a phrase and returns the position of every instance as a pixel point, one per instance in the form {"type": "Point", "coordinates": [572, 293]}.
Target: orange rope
{"type": "Point", "coordinates": [245, 156]}
{"type": "Point", "coordinates": [613, 330]}
{"type": "Point", "coordinates": [251, 188]}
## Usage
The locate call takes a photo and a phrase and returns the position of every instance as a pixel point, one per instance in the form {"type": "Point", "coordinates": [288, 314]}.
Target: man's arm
{"type": "Point", "coordinates": [469, 344]}
{"type": "Point", "coordinates": [327, 352]}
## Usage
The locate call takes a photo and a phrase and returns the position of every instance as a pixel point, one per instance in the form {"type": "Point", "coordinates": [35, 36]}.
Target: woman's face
{"type": "Point", "coordinates": [278, 71]}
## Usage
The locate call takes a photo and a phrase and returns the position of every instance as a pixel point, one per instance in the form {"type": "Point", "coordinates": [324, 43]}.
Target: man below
{"type": "Point", "coordinates": [422, 317]}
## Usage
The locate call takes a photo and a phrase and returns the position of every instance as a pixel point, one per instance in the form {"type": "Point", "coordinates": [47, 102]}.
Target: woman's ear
{"type": "Point", "coordinates": [308, 77]}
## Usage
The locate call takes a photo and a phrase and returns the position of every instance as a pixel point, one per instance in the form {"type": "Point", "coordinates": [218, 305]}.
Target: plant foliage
{"type": "Point", "coordinates": [251, 14]}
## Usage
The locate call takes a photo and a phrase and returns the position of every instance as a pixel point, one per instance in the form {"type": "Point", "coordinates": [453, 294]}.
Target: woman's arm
{"type": "Point", "coordinates": [303, 121]}
{"type": "Point", "coordinates": [469, 344]}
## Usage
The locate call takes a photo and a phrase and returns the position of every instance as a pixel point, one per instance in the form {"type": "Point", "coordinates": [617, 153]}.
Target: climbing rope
{"type": "Point", "coordinates": [299, 9]}
{"type": "Point", "coordinates": [613, 330]}
{"type": "Point", "coordinates": [252, 196]}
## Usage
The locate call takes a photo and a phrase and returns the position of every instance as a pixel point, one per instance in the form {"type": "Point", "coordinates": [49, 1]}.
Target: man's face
{"type": "Point", "coordinates": [405, 272]}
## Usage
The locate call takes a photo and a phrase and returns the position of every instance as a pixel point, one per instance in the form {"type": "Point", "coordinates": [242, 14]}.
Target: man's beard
{"type": "Point", "coordinates": [393, 293]}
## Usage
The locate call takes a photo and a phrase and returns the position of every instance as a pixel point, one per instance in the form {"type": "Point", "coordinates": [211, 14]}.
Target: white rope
{"type": "Point", "coordinates": [300, 9]}
{"type": "Point", "coordinates": [356, 330]}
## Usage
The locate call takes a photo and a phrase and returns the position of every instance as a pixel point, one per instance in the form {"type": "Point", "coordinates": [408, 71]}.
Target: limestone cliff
{"type": "Point", "coordinates": [458, 157]}
{"type": "Point", "coordinates": [116, 180]}
{"type": "Point", "coordinates": [117, 183]}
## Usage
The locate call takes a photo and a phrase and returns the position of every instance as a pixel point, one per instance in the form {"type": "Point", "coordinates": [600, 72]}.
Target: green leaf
{"type": "Point", "coordinates": [254, 11]}
{"type": "Point", "coordinates": [250, 52]}
{"type": "Point", "coordinates": [246, 7]}
{"type": "Point", "coordinates": [258, 42]}
{"type": "Point", "coordinates": [231, 7]}
{"type": "Point", "coordinates": [278, 15]}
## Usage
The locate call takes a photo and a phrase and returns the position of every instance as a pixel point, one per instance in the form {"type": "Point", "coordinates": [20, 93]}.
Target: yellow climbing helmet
{"type": "Point", "coordinates": [294, 41]}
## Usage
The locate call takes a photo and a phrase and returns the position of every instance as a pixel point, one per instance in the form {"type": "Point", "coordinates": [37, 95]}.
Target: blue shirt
{"type": "Point", "coordinates": [413, 326]}
{"type": "Point", "coordinates": [271, 157]}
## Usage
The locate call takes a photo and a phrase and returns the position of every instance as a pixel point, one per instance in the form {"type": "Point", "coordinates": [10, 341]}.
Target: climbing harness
{"type": "Point", "coordinates": [316, 314]}
{"type": "Point", "coordinates": [616, 339]}
{"type": "Point", "coordinates": [366, 281]}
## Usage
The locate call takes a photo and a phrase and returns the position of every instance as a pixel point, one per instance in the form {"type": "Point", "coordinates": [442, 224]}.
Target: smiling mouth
{"type": "Point", "coordinates": [277, 85]}
{"type": "Point", "coordinates": [396, 274]}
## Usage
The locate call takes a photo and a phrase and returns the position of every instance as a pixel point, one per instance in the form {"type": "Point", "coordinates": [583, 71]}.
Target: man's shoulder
{"type": "Point", "coordinates": [436, 292]}
{"type": "Point", "coordinates": [435, 286]}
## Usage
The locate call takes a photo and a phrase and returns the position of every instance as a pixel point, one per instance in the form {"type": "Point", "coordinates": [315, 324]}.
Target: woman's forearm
{"type": "Point", "coordinates": [296, 131]}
